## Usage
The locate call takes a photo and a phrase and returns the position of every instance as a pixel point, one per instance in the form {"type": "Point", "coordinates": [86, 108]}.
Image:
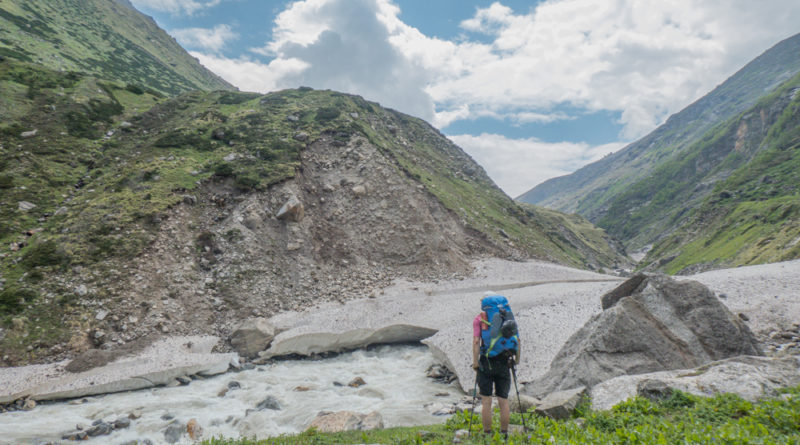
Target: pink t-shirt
{"type": "Point", "coordinates": [476, 324]}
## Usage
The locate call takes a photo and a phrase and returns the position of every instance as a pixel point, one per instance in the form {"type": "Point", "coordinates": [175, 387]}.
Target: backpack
{"type": "Point", "coordinates": [502, 334]}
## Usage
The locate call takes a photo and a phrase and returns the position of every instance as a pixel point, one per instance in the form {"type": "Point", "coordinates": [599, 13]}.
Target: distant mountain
{"type": "Point", "coordinates": [106, 38]}
{"type": "Point", "coordinates": [646, 191]}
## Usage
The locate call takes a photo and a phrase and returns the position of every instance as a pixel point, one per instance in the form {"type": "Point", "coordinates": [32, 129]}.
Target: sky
{"type": "Point", "coordinates": [530, 89]}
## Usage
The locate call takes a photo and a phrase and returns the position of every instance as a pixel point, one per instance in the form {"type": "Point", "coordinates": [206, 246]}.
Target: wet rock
{"type": "Point", "coordinates": [28, 405]}
{"type": "Point", "coordinates": [233, 384]}
{"type": "Point", "coordinates": [356, 382]}
{"type": "Point", "coordinates": [194, 429]}
{"type": "Point", "coordinates": [174, 432]}
{"type": "Point", "coordinates": [135, 414]}
{"type": "Point", "coordinates": [560, 405]}
{"type": "Point", "coordinates": [122, 422]}
{"type": "Point", "coordinates": [269, 403]}
{"type": "Point", "coordinates": [183, 380]}
{"type": "Point", "coordinates": [252, 337]}
{"type": "Point", "coordinates": [75, 435]}
{"type": "Point", "coordinates": [101, 429]}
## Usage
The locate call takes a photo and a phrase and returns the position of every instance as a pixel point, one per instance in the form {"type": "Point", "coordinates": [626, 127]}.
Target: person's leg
{"type": "Point", "coordinates": [485, 390]}
{"type": "Point", "coordinates": [502, 386]}
{"type": "Point", "coordinates": [486, 413]}
{"type": "Point", "coordinates": [505, 414]}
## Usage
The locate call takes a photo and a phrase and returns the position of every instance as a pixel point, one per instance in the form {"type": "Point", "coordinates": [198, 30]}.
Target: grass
{"type": "Point", "coordinates": [682, 418]}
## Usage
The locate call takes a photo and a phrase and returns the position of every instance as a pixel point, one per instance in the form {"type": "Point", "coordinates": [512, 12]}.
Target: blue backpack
{"type": "Point", "coordinates": [502, 334]}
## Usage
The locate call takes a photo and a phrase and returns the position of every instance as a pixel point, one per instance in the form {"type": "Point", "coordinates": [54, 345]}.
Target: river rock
{"type": "Point", "coordinates": [749, 377]}
{"type": "Point", "coordinates": [333, 422]}
{"type": "Point", "coordinates": [292, 210]}
{"type": "Point", "coordinates": [194, 429]}
{"type": "Point", "coordinates": [252, 337]}
{"type": "Point", "coordinates": [101, 429]}
{"type": "Point", "coordinates": [122, 422]}
{"type": "Point", "coordinates": [649, 323]}
{"type": "Point", "coordinates": [560, 405]}
{"type": "Point", "coordinates": [174, 432]}
{"type": "Point", "coordinates": [269, 403]}
{"type": "Point", "coordinates": [356, 382]}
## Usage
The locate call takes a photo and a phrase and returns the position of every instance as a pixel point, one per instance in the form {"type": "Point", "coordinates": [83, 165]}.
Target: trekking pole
{"type": "Point", "coordinates": [519, 401]}
{"type": "Point", "coordinates": [472, 413]}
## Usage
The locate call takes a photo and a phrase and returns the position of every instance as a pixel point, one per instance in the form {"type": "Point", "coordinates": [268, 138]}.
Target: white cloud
{"type": "Point", "coordinates": [251, 75]}
{"type": "Point", "coordinates": [517, 165]}
{"type": "Point", "coordinates": [213, 39]}
{"type": "Point", "coordinates": [643, 60]}
{"type": "Point", "coordinates": [188, 7]}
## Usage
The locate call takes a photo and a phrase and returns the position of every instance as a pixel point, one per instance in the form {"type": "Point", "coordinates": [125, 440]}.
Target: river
{"type": "Point", "coordinates": [396, 386]}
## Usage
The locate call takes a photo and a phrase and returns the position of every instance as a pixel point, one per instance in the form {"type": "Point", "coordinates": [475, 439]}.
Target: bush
{"type": "Point", "coordinates": [224, 170]}
{"type": "Point", "coordinates": [12, 299]}
{"type": "Point", "coordinates": [135, 89]}
{"type": "Point", "coordinates": [326, 114]}
{"type": "Point", "coordinates": [6, 181]}
{"type": "Point", "coordinates": [47, 253]}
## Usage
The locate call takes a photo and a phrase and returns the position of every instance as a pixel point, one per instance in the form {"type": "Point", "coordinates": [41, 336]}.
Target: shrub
{"type": "Point", "coordinates": [47, 253]}
{"type": "Point", "coordinates": [135, 89]}
{"type": "Point", "coordinates": [6, 181]}
{"type": "Point", "coordinates": [326, 114]}
{"type": "Point", "coordinates": [12, 299]}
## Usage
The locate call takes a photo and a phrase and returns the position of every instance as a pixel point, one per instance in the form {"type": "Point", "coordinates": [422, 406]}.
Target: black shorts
{"type": "Point", "coordinates": [494, 372]}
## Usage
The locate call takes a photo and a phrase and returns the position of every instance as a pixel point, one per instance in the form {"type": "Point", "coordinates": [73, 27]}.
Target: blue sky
{"type": "Point", "coordinates": [530, 89]}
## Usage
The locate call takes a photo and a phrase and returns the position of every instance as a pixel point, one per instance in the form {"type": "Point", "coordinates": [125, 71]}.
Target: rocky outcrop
{"type": "Point", "coordinates": [649, 323]}
{"type": "Point", "coordinates": [333, 422]}
{"type": "Point", "coordinates": [252, 337]}
{"type": "Point", "coordinates": [749, 377]}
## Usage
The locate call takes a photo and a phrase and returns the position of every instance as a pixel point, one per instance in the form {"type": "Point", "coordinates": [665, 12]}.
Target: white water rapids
{"type": "Point", "coordinates": [396, 386]}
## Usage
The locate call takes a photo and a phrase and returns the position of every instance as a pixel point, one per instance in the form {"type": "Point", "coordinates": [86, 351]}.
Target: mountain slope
{"type": "Point", "coordinates": [593, 189]}
{"type": "Point", "coordinates": [740, 193]}
{"type": "Point", "coordinates": [106, 38]}
{"type": "Point", "coordinates": [120, 224]}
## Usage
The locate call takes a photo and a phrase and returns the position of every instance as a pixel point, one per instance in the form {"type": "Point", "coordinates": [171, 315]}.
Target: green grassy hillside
{"type": "Point", "coordinates": [753, 215]}
{"type": "Point", "coordinates": [104, 38]}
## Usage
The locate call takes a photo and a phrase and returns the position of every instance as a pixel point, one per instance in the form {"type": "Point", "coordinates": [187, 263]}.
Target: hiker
{"type": "Point", "coordinates": [495, 342]}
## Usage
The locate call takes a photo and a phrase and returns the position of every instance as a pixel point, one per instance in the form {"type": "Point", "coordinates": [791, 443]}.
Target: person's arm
{"type": "Point", "coordinates": [519, 348]}
{"type": "Point", "coordinates": [476, 347]}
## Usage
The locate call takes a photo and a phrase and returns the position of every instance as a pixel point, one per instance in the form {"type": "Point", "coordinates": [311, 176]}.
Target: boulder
{"type": "Point", "coordinates": [252, 337]}
{"type": "Point", "coordinates": [560, 405]}
{"type": "Point", "coordinates": [334, 422]}
{"type": "Point", "coordinates": [269, 403]}
{"type": "Point", "coordinates": [356, 382]}
{"type": "Point", "coordinates": [749, 377]}
{"type": "Point", "coordinates": [292, 210]}
{"type": "Point", "coordinates": [28, 134]}
{"type": "Point", "coordinates": [649, 323]}
{"type": "Point", "coordinates": [523, 404]}
{"type": "Point", "coordinates": [174, 432]}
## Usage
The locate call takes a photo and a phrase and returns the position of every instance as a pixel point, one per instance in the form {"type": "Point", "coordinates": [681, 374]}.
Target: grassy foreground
{"type": "Point", "coordinates": [681, 419]}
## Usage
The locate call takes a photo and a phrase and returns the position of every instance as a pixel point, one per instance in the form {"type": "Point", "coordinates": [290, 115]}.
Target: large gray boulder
{"type": "Point", "coordinates": [751, 378]}
{"type": "Point", "coordinates": [648, 324]}
{"type": "Point", "coordinates": [252, 337]}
